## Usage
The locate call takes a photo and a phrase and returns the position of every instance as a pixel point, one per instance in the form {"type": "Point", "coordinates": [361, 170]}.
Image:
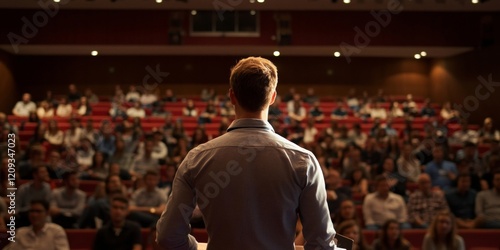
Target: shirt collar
{"type": "Point", "coordinates": [44, 229]}
{"type": "Point", "coordinates": [250, 123]}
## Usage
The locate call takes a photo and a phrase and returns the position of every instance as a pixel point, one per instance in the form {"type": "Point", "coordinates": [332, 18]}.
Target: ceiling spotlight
{"type": "Point", "coordinates": [159, 1]}
{"type": "Point", "coordinates": [475, 1]}
{"type": "Point", "coordinates": [336, 54]}
{"type": "Point", "coordinates": [260, 1]}
{"type": "Point", "coordinates": [56, 1]}
{"type": "Point", "coordinates": [423, 53]}
{"type": "Point", "coordinates": [193, 12]}
{"type": "Point", "coordinates": [347, 1]}
{"type": "Point", "coordinates": [417, 56]}
{"type": "Point", "coordinates": [276, 53]}
{"type": "Point", "coordinates": [94, 53]}
{"type": "Point", "coordinates": [252, 1]}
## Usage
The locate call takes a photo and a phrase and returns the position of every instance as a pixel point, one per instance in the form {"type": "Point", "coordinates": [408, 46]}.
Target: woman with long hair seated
{"type": "Point", "coordinates": [390, 237]}
{"type": "Point", "coordinates": [351, 229]}
{"type": "Point", "coordinates": [442, 234]}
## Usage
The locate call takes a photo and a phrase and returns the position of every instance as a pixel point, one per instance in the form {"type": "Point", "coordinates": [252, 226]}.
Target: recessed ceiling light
{"type": "Point", "coordinates": [423, 53]}
{"type": "Point", "coordinates": [475, 1]}
{"type": "Point", "coordinates": [276, 53]}
{"type": "Point", "coordinates": [347, 1]}
{"type": "Point", "coordinates": [260, 1]}
{"type": "Point", "coordinates": [194, 12]}
{"type": "Point", "coordinates": [94, 53]}
{"type": "Point", "coordinates": [417, 56]}
{"type": "Point", "coordinates": [336, 54]}
{"type": "Point", "coordinates": [253, 12]}
{"type": "Point", "coordinates": [159, 1]}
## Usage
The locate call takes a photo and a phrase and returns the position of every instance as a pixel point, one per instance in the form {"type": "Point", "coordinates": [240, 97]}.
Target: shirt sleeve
{"type": "Point", "coordinates": [367, 213]}
{"type": "Point", "coordinates": [173, 226]}
{"type": "Point", "coordinates": [313, 210]}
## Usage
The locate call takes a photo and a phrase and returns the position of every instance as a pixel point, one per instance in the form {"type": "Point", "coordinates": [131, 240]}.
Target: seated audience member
{"type": "Point", "coordinates": [208, 94]}
{"type": "Point", "coordinates": [310, 96]}
{"type": "Point", "coordinates": [296, 110]}
{"type": "Point", "coordinates": [147, 99]}
{"type": "Point", "coordinates": [352, 101]}
{"type": "Point", "coordinates": [73, 94]}
{"type": "Point", "coordinates": [97, 209]}
{"type": "Point", "coordinates": [382, 205]}
{"type": "Point", "coordinates": [442, 234]}
{"type": "Point", "coordinates": [68, 201]}
{"type": "Point", "coordinates": [378, 112]}
{"type": "Point", "coordinates": [359, 182]}
{"type": "Point", "coordinates": [84, 154]}
{"type": "Point", "coordinates": [316, 112]}
{"type": "Point", "coordinates": [208, 114]}
{"type": "Point", "coordinates": [408, 165]}
{"type": "Point", "coordinates": [390, 238]}
{"type": "Point", "coordinates": [36, 157]}
{"type": "Point", "coordinates": [464, 169]}
{"type": "Point", "coordinates": [339, 112]}
{"type": "Point", "coordinates": [5, 125]}
{"type": "Point", "coordinates": [40, 234]}
{"type": "Point", "coordinates": [132, 95]}
{"type": "Point", "coordinates": [462, 202]}
{"type": "Point", "coordinates": [89, 132]}
{"type": "Point", "coordinates": [488, 205]}
{"type": "Point", "coordinates": [83, 107]}
{"type": "Point", "coordinates": [289, 96]}
{"type": "Point", "coordinates": [397, 183]}
{"type": "Point", "coordinates": [123, 157]}
{"type": "Point", "coordinates": [158, 110]}
{"type": "Point", "coordinates": [310, 132]}
{"type": "Point", "coordinates": [352, 161]}
{"type": "Point", "coordinates": [99, 168]}
{"type": "Point", "coordinates": [136, 111]}
{"type": "Point", "coordinates": [169, 96]}
{"type": "Point", "coordinates": [54, 135]}
{"type": "Point", "coordinates": [493, 151]}
{"type": "Point", "coordinates": [410, 106]}
{"type": "Point", "coordinates": [147, 203]}
{"type": "Point", "coordinates": [227, 110]}
{"type": "Point", "coordinates": [64, 109]}
{"type": "Point", "coordinates": [488, 133]}
{"type": "Point", "coordinates": [159, 151]}
{"type": "Point", "coordinates": [73, 135]}
{"type": "Point", "coordinates": [45, 110]}
{"type": "Point", "coordinates": [364, 109]}
{"type": "Point", "coordinates": [37, 189]}
{"type": "Point", "coordinates": [395, 111]}
{"type": "Point", "coordinates": [469, 156]}
{"type": "Point", "coordinates": [145, 162]}
{"type": "Point", "coordinates": [91, 97]}
{"type": "Point", "coordinates": [424, 203]}
{"type": "Point", "coordinates": [274, 112]}
{"type": "Point", "coordinates": [464, 134]}
{"type": "Point", "coordinates": [24, 107]}
{"type": "Point", "coordinates": [448, 113]}
{"type": "Point", "coordinates": [352, 230]}
{"type": "Point", "coordinates": [190, 110]}
{"type": "Point", "coordinates": [105, 141]}
{"type": "Point", "coordinates": [487, 178]}
{"type": "Point", "coordinates": [336, 193]}
{"type": "Point", "coordinates": [357, 136]}
{"type": "Point", "coordinates": [427, 111]}
{"type": "Point", "coordinates": [119, 233]}
{"type": "Point", "coordinates": [441, 171]}
{"type": "Point", "coordinates": [346, 211]}
{"type": "Point", "coordinates": [55, 165]}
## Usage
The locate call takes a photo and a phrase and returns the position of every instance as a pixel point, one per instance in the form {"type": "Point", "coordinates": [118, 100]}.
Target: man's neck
{"type": "Point", "coordinates": [38, 228]}
{"type": "Point", "coordinates": [118, 224]}
{"type": "Point", "coordinates": [150, 189]}
{"type": "Point", "coordinates": [37, 183]}
{"type": "Point", "coordinates": [383, 196]}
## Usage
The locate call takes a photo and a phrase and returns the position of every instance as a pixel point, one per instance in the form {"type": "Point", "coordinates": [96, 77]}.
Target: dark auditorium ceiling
{"type": "Point", "coordinates": [64, 36]}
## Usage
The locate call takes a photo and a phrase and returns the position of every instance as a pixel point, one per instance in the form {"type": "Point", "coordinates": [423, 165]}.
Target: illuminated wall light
{"type": "Point", "coordinates": [159, 1]}
{"type": "Point", "coordinates": [347, 1]}
{"type": "Point", "coordinates": [260, 1]}
{"type": "Point", "coordinates": [423, 53]}
{"type": "Point", "coordinates": [193, 12]}
{"type": "Point", "coordinates": [417, 56]}
{"type": "Point", "coordinates": [56, 1]}
{"type": "Point", "coordinates": [336, 54]}
{"type": "Point", "coordinates": [475, 1]}
{"type": "Point", "coordinates": [276, 53]}
{"type": "Point", "coordinates": [252, 12]}
{"type": "Point", "coordinates": [94, 53]}
{"type": "Point", "coordinates": [252, 1]}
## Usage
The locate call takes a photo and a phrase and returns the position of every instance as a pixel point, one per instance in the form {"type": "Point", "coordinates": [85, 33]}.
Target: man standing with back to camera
{"type": "Point", "coordinates": [250, 183]}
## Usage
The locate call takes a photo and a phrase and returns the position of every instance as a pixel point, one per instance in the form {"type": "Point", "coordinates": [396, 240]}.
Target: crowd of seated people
{"type": "Point", "coordinates": [379, 174]}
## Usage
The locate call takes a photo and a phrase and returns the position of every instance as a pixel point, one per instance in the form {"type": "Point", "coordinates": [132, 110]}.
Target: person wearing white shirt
{"type": "Point", "coordinates": [378, 112]}
{"type": "Point", "coordinates": [45, 110]}
{"type": "Point", "coordinates": [464, 134]}
{"type": "Point", "coordinates": [136, 111]}
{"type": "Point", "coordinates": [382, 205]}
{"type": "Point", "coordinates": [54, 135]}
{"type": "Point", "coordinates": [64, 108]}
{"type": "Point", "coordinates": [41, 234]}
{"type": "Point", "coordinates": [132, 94]}
{"type": "Point", "coordinates": [24, 107]}
{"type": "Point", "coordinates": [73, 135]}
{"type": "Point", "coordinates": [395, 110]}
{"type": "Point", "coordinates": [147, 99]}
{"type": "Point", "coordinates": [310, 132]}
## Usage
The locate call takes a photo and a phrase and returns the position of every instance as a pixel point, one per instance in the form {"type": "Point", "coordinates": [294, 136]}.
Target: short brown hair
{"type": "Point", "coordinates": [252, 80]}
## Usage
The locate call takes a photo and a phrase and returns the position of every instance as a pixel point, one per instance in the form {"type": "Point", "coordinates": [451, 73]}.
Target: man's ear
{"type": "Point", "coordinates": [232, 97]}
{"type": "Point", "coordinates": [273, 97]}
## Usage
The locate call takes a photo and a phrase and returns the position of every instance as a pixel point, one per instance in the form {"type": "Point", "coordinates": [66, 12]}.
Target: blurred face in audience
{"type": "Point", "coordinates": [114, 169]}
{"type": "Point", "coordinates": [73, 182]}
{"type": "Point", "coordinates": [42, 174]}
{"type": "Point", "coordinates": [26, 97]}
{"type": "Point", "coordinates": [37, 215]}
{"type": "Point", "coordinates": [347, 210]}
{"type": "Point", "coordinates": [443, 224]}
{"type": "Point", "coordinates": [393, 231]}
{"type": "Point", "coordinates": [383, 188]}
{"type": "Point", "coordinates": [151, 181]}
{"type": "Point", "coordinates": [119, 212]}
{"type": "Point", "coordinates": [438, 154]}
{"type": "Point", "coordinates": [424, 183]}
{"type": "Point", "coordinates": [496, 182]}
{"type": "Point", "coordinates": [388, 165]}
{"type": "Point", "coordinates": [333, 178]}
{"type": "Point", "coordinates": [353, 233]}
{"type": "Point", "coordinates": [407, 149]}
{"type": "Point", "coordinates": [114, 184]}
